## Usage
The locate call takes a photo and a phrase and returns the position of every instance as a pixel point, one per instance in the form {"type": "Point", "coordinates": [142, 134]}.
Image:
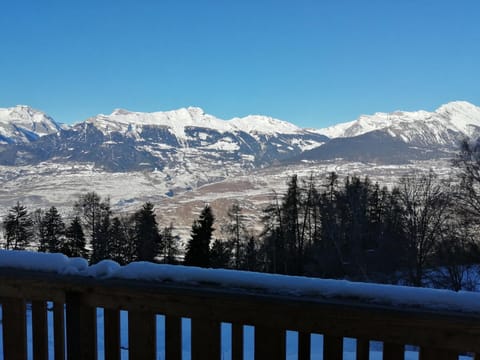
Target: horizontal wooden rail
{"type": "Point", "coordinates": [439, 334]}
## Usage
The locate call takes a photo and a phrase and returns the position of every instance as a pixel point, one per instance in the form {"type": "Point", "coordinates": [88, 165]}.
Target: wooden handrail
{"type": "Point", "coordinates": [439, 334]}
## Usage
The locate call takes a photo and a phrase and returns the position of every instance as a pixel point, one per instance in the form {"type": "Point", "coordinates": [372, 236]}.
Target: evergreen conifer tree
{"type": "Point", "coordinates": [52, 231]}
{"type": "Point", "coordinates": [169, 246]}
{"type": "Point", "coordinates": [198, 247]}
{"type": "Point", "coordinates": [74, 245]}
{"type": "Point", "coordinates": [18, 227]}
{"type": "Point", "coordinates": [147, 236]}
{"type": "Point", "coordinates": [220, 254]}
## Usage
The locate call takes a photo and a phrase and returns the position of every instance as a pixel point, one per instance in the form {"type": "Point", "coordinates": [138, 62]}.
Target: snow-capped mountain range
{"type": "Point", "coordinates": [183, 158]}
{"type": "Point", "coordinates": [127, 141]}
{"type": "Point", "coordinates": [440, 127]}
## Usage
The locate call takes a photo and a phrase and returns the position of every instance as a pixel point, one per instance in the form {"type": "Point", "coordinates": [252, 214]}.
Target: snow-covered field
{"type": "Point", "coordinates": [179, 194]}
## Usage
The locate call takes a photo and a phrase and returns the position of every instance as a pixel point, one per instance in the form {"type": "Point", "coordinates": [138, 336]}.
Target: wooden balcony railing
{"type": "Point", "coordinates": [438, 334]}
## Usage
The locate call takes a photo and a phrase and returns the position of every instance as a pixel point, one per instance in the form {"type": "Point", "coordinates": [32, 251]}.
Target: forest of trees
{"type": "Point", "coordinates": [420, 232]}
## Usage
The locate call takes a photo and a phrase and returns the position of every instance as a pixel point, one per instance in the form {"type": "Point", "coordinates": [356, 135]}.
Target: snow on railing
{"type": "Point", "coordinates": [442, 322]}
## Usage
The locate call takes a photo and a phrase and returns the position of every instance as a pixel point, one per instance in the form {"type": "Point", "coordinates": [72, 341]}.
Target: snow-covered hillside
{"type": "Point", "coordinates": [444, 126]}
{"type": "Point", "coordinates": [176, 121]}
{"type": "Point", "coordinates": [22, 124]}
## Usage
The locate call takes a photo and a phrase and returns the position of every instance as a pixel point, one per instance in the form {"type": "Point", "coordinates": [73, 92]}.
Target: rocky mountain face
{"type": "Point", "coordinates": [22, 124]}
{"type": "Point", "coordinates": [132, 141]}
{"type": "Point", "coordinates": [183, 158]}
{"type": "Point", "coordinates": [189, 140]}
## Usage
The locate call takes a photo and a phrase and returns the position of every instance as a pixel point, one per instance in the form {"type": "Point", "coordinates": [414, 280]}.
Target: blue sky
{"type": "Point", "coordinates": [311, 62]}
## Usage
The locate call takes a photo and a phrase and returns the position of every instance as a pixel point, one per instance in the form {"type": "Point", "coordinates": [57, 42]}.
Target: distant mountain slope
{"type": "Point", "coordinates": [443, 127]}
{"type": "Point", "coordinates": [191, 141]}
{"type": "Point", "coordinates": [374, 147]}
{"type": "Point", "coordinates": [22, 124]}
{"type": "Point", "coordinates": [188, 138]}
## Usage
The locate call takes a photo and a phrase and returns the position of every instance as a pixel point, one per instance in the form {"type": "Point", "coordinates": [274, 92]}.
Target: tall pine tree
{"type": "Point", "coordinates": [52, 231]}
{"type": "Point", "coordinates": [147, 236]}
{"type": "Point", "coordinates": [198, 247]}
{"type": "Point", "coordinates": [18, 227]}
{"type": "Point", "coordinates": [75, 242]}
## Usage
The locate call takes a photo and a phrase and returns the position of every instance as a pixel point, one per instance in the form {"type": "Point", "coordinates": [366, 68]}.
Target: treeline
{"type": "Point", "coordinates": [94, 232]}
{"type": "Point", "coordinates": [420, 232]}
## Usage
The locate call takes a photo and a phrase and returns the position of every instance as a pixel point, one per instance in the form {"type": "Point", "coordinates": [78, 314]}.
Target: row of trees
{"type": "Point", "coordinates": [94, 232]}
{"type": "Point", "coordinates": [320, 227]}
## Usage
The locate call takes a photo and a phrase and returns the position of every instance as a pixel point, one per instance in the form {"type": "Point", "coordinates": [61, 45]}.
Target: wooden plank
{"type": "Point", "coordinates": [269, 343]}
{"type": "Point", "coordinates": [437, 354]}
{"type": "Point", "coordinates": [393, 351]}
{"type": "Point", "coordinates": [39, 330]}
{"type": "Point", "coordinates": [237, 341]}
{"type": "Point", "coordinates": [337, 317]}
{"type": "Point", "coordinates": [14, 329]}
{"type": "Point", "coordinates": [111, 333]}
{"type": "Point", "coordinates": [205, 339]}
{"type": "Point", "coordinates": [59, 330]}
{"type": "Point", "coordinates": [173, 337]}
{"type": "Point", "coordinates": [363, 349]}
{"type": "Point", "coordinates": [142, 335]}
{"type": "Point", "coordinates": [369, 322]}
{"type": "Point", "coordinates": [332, 347]}
{"type": "Point", "coordinates": [304, 346]}
{"type": "Point", "coordinates": [81, 328]}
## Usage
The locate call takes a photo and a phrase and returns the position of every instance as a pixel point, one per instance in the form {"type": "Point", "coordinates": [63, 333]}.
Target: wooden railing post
{"type": "Point", "coordinates": [237, 341]}
{"type": "Point", "coordinates": [332, 347]}
{"type": "Point", "coordinates": [81, 328]}
{"type": "Point", "coordinates": [59, 330]}
{"type": "Point", "coordinates": [393, 351]}
{"type": "Point", "coordinates": [111, 333]}
{"type": "Point", "coordinates": [205, 339]}
{"type": "Point", "coordinates": [304, 345]}
{"type": "Point", "coordinates": [437, 354]}
{"type": "Point", "coordinates": [142, 335]}
{"type": "Point", "coordinates": [363, 349]}
{"type": "Point", "coordinates": [270, 343]}
{"type": "Point", "coordinates": [40, 330]}
{"type": "Point", "coordinates": [14, 329]}
{"type": "Point", "coordinates": [173, 337]}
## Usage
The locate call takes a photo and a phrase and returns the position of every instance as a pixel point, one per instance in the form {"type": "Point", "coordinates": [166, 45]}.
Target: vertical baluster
{"type": "Point", "coordinates": [59, 330]}
{"type": "Point", "coordinates": [393, 351]}
{"type": "Point", "coordinates": [437, 354]}
{"type": "Point", "coordinates": [237, 341]}
{"type": "Point", "coordinates": [269, 343]}
{"type": "Point", "coordinates": [332, 347]}
{"type": "Point", "coordinates": [142, 335]}
{"type": "Point", "coordinates": [111, 333]}
{"type": "Point", "coordinates": [363, 349]}
{"type": "Point", "coordinates": [81, 328]}
{"type": "Point", "coordinates": [304, 346]}
{"type": "Point", "coordinates": [14, 329]}
{"type": "Point", "coordinates": [205, 339]}
{"type": "Point", "coordinates": [39, 330]}
{"type": "Point", "coordinates": [173, 337]}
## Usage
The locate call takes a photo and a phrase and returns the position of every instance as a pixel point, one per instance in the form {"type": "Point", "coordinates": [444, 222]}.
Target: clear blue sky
{"type": "Point", "coordinates": [311, 62]}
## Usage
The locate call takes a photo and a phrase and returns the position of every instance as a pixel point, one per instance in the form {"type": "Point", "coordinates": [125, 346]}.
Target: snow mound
{"type": "Point", "coordinates": [433, 299]}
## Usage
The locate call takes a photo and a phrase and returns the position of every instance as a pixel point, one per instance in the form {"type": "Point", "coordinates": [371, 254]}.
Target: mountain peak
{"type": "Point", "coordinates": [456, 106]}
{"type": "Point", "coordinates": [457, 117]}
{"type": "Point", "coordinates": [120, 111]}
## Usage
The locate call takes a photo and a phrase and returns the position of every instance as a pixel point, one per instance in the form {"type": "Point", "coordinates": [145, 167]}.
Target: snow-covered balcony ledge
{"type": "Point", "coordinates": [443, 323]}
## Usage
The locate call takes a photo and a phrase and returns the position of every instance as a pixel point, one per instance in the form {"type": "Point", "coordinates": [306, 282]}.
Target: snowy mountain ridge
{"type": "Point", "coordinates": [442, 126]}
{"type": "Point", "coordinates": [178, 120]}
{"type": "Point", "coordinates": [22, 123]}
